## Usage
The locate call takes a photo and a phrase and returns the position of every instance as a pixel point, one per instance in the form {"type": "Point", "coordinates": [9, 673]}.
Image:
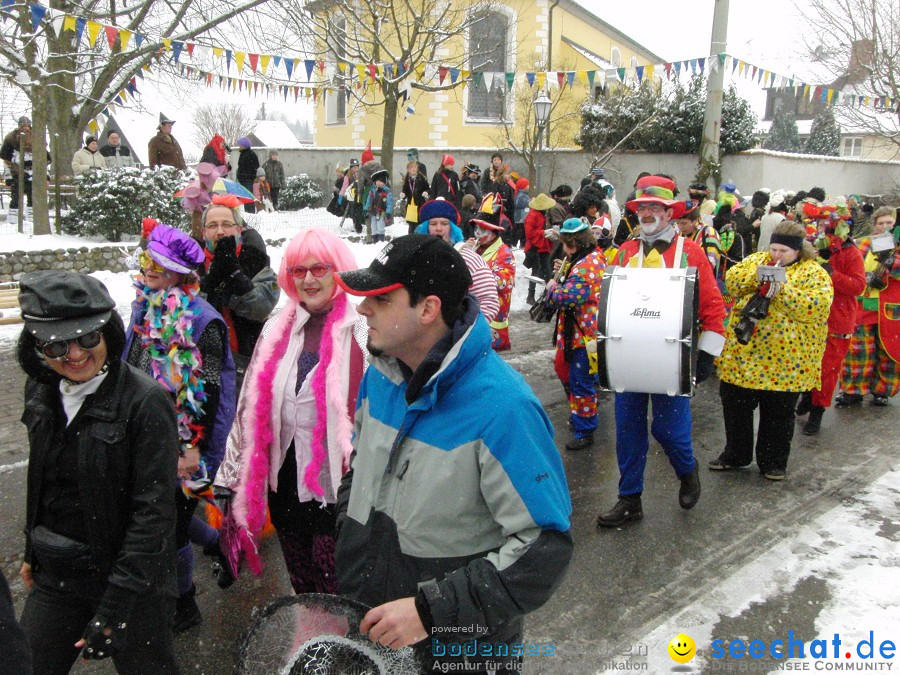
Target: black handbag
{"type": "Point", "coordinates": [542, 311]}
{"type": "Point", "coordinates": [531, 257]}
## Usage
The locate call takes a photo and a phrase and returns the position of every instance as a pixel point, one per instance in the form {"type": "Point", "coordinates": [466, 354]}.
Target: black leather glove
{"type": "Point", "coordinates": [225, 260]}
{"type": "Point", "coordinates": [103, 638]}
{"type": "Point", "coordinates": [706, 364]}
{"type": "Point", "coordinates": [825, 253]}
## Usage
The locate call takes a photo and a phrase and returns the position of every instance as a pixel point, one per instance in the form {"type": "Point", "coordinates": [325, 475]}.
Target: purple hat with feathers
{"type": "Point", "coordinates": [174, 250]}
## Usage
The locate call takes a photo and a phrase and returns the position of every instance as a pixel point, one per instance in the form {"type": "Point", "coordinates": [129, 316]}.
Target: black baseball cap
{"type": "Point", "coordinates": [420, 263]}
{"type": "Point", "coordinates": [58, 305]}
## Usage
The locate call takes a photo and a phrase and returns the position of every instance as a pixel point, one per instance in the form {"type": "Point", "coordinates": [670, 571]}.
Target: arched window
{"type": "Point", "coordinates": [488, 37]}
{"type": "Point", "coordinates": [336, 99]}
{"type": "Point", "coordinates": [615, 57]}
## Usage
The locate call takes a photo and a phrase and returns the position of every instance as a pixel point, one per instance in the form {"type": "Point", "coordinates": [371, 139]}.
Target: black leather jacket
{"type": "Point", "coordinates": [127, 474]}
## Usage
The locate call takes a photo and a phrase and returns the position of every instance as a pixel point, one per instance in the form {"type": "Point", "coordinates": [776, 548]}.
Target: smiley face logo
{"type": "Point", "coordinates": [682, 648]}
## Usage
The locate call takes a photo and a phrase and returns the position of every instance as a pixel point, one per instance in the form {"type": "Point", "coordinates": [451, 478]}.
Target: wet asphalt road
{"type": "Point", "coordinates": [621, 583]}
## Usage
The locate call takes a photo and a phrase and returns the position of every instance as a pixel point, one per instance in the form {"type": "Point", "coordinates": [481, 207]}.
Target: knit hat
{"type": "Point", "coordinates": [58, 305]}
{"type": "Point", "coordinates": [89, 140]}
{"type": "Point", "coordinates": [438, 208]}
{"type": "Point", "coordinates": [24, 119]}
{"type": "Point", "coordinates": [542, 202]}
{"type": "Point", "coordinates": [174, 250]}
{"type": "Point", "coordinates": [243, 142]}
{"type": "Point", "coordinates": [420, 263]}
{"type": "Point", "coordinates": [260, 172]}
{"type": "Point", "coordinates": [523, 184]}
{"type": "Point", "coordinates": [447, 160]}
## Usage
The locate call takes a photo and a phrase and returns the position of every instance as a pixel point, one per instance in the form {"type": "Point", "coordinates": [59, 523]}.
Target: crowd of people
{"type": "Point", "coordinates": [320, 418]}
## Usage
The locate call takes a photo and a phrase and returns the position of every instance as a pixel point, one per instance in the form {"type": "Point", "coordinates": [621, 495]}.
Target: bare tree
{"type": "Point", "coordinates": [69, 84]}
{"type": "Point", "coordinates": [408, 32]}
{"type": "Point", "coordinates": [231, 120]}
{"type": "Point", "coordinates": [859, 43]}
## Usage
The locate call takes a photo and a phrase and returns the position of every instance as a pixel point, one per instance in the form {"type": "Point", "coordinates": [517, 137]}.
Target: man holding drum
{"type": "Point", "coordinates": [660, 246]}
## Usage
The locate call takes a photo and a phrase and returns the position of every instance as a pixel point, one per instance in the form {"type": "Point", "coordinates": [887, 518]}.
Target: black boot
{"type": "Point", "coordinates": [187, 614]}
{"type": "Point", "coordinates": [627, 508]}
{"type": "Point", "coordinates": [804, 404]}
{"type": "Point", "coordinates": [580, 443]}
{"type": "Point", "coordinates": [811, 428]}
{"type": "Point", "coordinates": [848, 400]}
{"type": "Point", "coordinates": [689, 492]}
{"type": "Point", "coordinates": [221, 568]}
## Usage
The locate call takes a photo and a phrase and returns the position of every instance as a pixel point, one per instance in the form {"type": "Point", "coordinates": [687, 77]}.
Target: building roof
{"type": "Point", "coordinates": [136, 129]}
{"type": "Point", "coordinates": [589, 17]}
{"type": "Point", "coordinates": [596, 59]}
{"type": "Point", "coordinates": [273, 134]}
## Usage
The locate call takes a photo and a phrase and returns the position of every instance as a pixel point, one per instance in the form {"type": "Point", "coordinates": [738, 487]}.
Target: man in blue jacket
{"type": "Point", "coordinates": [452, 525]}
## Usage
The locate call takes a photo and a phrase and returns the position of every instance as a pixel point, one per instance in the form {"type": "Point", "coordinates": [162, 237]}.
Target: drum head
{"type": "Point", "coordinates": [315, 634]}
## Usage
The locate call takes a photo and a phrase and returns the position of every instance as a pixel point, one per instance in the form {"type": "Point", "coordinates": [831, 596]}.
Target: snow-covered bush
{"type": "Point", "coordinates": [112, 202]}
{"type": "Point", "coordinates": [299, 192]}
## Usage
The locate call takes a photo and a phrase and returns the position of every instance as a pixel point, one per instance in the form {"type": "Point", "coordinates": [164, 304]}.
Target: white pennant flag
{"type": "Point", "coordinates": [201, 53]}
{"type": "Point", "coordinates": [488, 80]}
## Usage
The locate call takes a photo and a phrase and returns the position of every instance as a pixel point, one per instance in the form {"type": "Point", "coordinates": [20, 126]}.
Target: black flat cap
{"type": "Point", "coordinates": [59, 305]}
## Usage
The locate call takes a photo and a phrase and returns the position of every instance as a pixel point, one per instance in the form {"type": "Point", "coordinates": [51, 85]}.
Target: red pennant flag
{"type": "Point", "coordinates": [190, 48]}
{"type": "Point", "coordinates": [296, 93]}
{"type": "Point", "coordinates": [754, 73]}
{"type": "Point", "coordinates": [315, 95]}
{"type": "Point", "coordinates": [255, 88]}
{"type": "Point", "coordinates": [668, 71]}
{"type": "Point", "coordinates": [373, 71]}
{"type": "Point", "coordinates": [209, 77]}
{"type": "Point", "coordinates": [254, 59]}
{"type": "Point", "coordinates": [442, 73]}
{"type": "Point", "coordinates": [111, 34]}
{"type": "Point", "coordinates": [560, 78]}
{"type": "Point", "coordinates": [321, 65]}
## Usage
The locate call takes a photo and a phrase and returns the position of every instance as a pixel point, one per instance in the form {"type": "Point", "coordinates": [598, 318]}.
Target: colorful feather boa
{"type": "Point", "coordinates": [167, 333]}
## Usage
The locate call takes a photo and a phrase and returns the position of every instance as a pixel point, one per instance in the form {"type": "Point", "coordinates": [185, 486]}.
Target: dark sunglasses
{"type": "Point", "coordinates": [318, 270]}
{"type": "Point", "coordinates": [57, 350]}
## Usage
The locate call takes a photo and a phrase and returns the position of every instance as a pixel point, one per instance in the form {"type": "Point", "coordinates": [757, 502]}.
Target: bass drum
{"type": "Point", "coordinates": [647, 330]}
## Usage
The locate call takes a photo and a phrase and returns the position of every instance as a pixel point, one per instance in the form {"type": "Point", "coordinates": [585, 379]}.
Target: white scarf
{"type": "Point", "coordinates": [74, 394]}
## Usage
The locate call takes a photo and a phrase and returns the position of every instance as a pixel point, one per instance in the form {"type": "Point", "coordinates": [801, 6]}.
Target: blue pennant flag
{"type": "Point", "coordinates": [640, 73]}
{"type": "Point", "coordinates": [176, 50]}
{"type": "Point", "coordinates": [228, 60]}
{"type": "Point", "coordinates": [289, 66]}
{"type": "Point", "coordinates": [37, 15]}
{"type": "Point", "coordinates": [276, 61]}
{"type": "Point", "coordinates": [80, 23]}
{"type": "Point", "coordinates": [309, 64]}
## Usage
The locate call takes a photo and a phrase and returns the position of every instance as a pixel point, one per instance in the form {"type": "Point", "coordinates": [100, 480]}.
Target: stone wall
{"type": "Point", "coordinates": [14, 264]}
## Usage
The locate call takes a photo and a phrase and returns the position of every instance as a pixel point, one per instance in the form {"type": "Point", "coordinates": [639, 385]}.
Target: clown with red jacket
{"type": "Point", "coordinates": [576, 295]}
{"type": "Point", "coordinates": [840, 257]}
{"type": "Point", "coordinates": [872, 365]}
{"type": "Point", "coordinates": [488, 224]}
{"type": "Point", "coordinates": [659, 246]}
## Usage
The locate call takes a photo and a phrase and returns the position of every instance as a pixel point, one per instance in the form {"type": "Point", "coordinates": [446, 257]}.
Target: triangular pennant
{"type": "Point", "coordinates": [389, 71]}
{"type": "Point", "coordinates": [347, 93]}
{"type": "Point", "coordinates": [722, 58]}
{"type": "Point", "coordinates": [442, 73]}
{"type": "Point", "coordinates": [734, 64]}
{"type": "Point", "coordinates": [93, 30]}
{"type": "Point", "coordinates": [228, 60]}
{"type": "Point", "coordinates": [694, 66]}
{"type": "Point", "coordinates": [37, 15]}
{"type": "Point", "coordinates": [203, 53]}
{"type": "Point", "coordinates": [591, 74]}
{"type": "Point", "coordinates": [276, 61]}
{"type": "Point", "coordinates": [454, 75]}
{"type": "Point", "coordinates": [373, 72]}
{"type": "Point", "coordinates": [701, 63]}
{"type": "Point", "coordinates": [209, 79]}
{"type": "Point", "coordinates": [218, 52]}
{"type": "Point", "coordinates": [488, 80]}
{"type": "Point", "coordinates": [254, 62]}
{"type": "Point", "coordinates": [477, 79]}
{"type": "Point", "coordinates": [190, 49]}
{"type": "Point", "coordinates": [639, 70]}
{"type": "Point", "coordinates": [239, 61]}
{"type": "Point", "coordinates": [124, 38]}
{"type": "Point", "coordinates": [582, 77]}
{"type": "Point", "coordinates": [668, 68]}
{"type": "Point", "coordinates": [79, 29]}
{"type": "Point", "coordinates": [560, 79]}
{"type": "Point", "coordinates": [167, 45]}
{"type": "Point", "coordinates": [69, 23]}
{"type": "Point", "coordinates": [677, 69]}
{"type": "Point", "coordinates": [264, 62]}
{"type": "Point", "coordinates": [289, 67]}
{"type": "Point", "coordinates": [420, 71]}
{"type": "Point", "coordinates": [753, 76]}
{"type": "Point", "coordinates": [529, 77]}
{"type": "Point", "coordinates": [176, 50]}
{"type": "Point", "coordinates": [380, 72]}
{"type": "Point", "coordinates": [621, 73]}
{"type": "Point", "coordinates": [649, 70]}
{"type": "Point", "coordinates": [541, 78]}
{"type": "Point", "coordinates": [510, 81]}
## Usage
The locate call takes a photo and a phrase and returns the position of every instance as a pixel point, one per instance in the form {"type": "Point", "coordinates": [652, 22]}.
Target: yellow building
{"type": "Point", "coordinates": [513, 36]}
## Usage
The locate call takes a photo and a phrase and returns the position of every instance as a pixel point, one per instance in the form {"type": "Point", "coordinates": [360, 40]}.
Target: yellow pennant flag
{"type": "Point", "coordinates": [540, 78]}
{"type": "Point", "coordinates": [93, 30]}
{"type": "Point", "coordinates": [380, 71]}
{"type": "Point", "coordinates": [582, 77]}
{"type": "Point", "coordinates": [830, 96]}
{"type": "Point", "coordinates": [360, 72]}
{"type": "Point", "coordinates": [342, 67]}
{"type": "Point", "coordinates": [217, 52]}
{"type": "Point", "coordinates": [94, 127]}
{"type": "Point", "coordinates": [69, 23]}
{"type": "Point", "coordinates": [124, 37]}
{"type": "Point", "coordinates": [264, 62]}
{"type": "Point", "coordinates": [741, 65]}
{"type": "Point", "coordinates": [805, 90]}
{"type": "Point", "coordinates": [239, 60]}
{"type": "Point", "coordinates": [420, 71]}
{"type": "Point", "coordinates": [648, 72]}
{"type": "Point", "coordinates": [167, 45]}
{"type": "Point", "coordinates": [124, 95]}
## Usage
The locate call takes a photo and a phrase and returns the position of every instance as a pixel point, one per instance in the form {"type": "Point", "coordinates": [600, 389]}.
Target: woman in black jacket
{"type": "Point", "coordinates": [445, 183]}
{"type": "Point", "coordinates": [100, 515]}
{"type": "Point", "coordinates": [248, 163]}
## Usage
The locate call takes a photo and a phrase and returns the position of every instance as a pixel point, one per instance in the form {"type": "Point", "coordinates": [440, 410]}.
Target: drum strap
{"type": "Point", "coordinates": [679, 247]}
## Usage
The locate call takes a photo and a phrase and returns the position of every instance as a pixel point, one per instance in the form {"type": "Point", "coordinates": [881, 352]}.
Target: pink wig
{"type": "Point", "coordinates": [321, 245]}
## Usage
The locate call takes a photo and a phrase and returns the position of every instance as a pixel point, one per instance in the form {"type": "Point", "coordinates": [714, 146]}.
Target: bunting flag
{"type": "Point", "coordinates": [239, 61]}
{"type": "Point", "coordinates": [254, 62]}
{"type": "Point", "coordinates": [640, 73]}
{"type": "Point", "coordinates": [93, 30]}
{"type": "Point", "coordinates": [37, 15]}
{"type": "Point", "coordinates": [176, 50]}
{"type": "Point", "coordinates": [124, 38]}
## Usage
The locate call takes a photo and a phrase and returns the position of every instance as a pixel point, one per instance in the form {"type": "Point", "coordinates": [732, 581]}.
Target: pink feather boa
{"type": "Point", "coordinates": [249, 503]}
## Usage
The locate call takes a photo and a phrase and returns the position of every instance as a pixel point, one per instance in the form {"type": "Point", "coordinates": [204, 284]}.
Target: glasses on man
{"type": "Point", "coordinates": [60, 348]}
{"type": "Point", "coordinates": [318, 270]}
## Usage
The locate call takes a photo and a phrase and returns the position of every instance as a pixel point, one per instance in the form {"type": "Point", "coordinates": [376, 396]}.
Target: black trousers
{"type": "Point", "coordinates": [57, 612]}
{"type": "Point", "coordinates": [14, 191]}
{"type": "Point", "coordinates": [274, 192]}
{"type": "Point", "coordinates": [776, 425]}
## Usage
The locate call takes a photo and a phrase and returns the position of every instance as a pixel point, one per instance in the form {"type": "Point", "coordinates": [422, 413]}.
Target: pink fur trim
{"type": "Point", "coordinates": [330, 356]}
{"type": "Point", "coordinates": [250, 501]}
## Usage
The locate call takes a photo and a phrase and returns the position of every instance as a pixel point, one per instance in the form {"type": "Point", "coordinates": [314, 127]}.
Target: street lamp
{"type": "Point", "coordinates": [542, 106]}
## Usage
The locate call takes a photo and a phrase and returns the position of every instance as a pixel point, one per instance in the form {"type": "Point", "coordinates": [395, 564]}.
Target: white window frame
{"type": "Point", "coordinates": [511, 41]}
{"type": "Point", "coordinates": [336, 100]}
{"type": "Point", "coordinates": [615, 57]}
{"type": "Point", "coordinates": [855, 143]}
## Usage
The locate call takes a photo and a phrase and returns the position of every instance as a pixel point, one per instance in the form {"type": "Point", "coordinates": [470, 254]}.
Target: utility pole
{"type": "Point", "coordinates": [262, 111]}
{"type": "Point", "coordinates": [712, 118]}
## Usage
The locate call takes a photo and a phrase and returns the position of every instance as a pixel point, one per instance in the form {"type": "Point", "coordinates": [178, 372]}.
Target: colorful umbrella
{"type": "Point", "coordinates": [223, 186]}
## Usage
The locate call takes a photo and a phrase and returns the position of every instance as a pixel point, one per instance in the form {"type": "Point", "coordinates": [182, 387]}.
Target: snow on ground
{"type": "Point", "coordinates": [854, 548]}
{"type": "Point", "coordinates": [279, 226]}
